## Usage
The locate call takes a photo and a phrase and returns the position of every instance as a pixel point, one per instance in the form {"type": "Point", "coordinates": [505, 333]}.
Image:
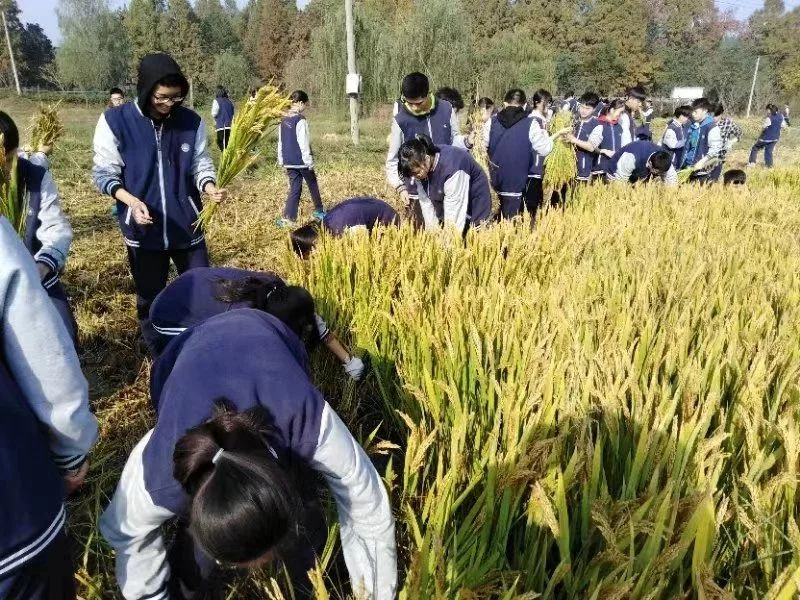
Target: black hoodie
{"type": "Point", "coordinates": [510, 116]}
{"type": "Point", "coordinates": [153, 68]}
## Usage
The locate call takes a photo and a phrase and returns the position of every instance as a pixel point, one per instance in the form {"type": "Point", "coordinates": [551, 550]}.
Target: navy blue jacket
{"type": "Point", "coordinates": [354, 212]}
{"type": "Point", "coordinates": [164, 164]}
{"type": "Point", "coordinates": [612, 140]}
{"type": "Point", "coordinates": [290, 147]}
{"type": "Point", "coordinates": [537, 164]}
{"type": "Point", "coordinates": [772, 133]}
{"type": "Point", "coordinates": [250, 359]}
{"type": "Point", "coordinates": [224, 116]}
{"type": "Point", "coordinates": [436, 124]}
{"type": "Point", "coordinates": [510, 151]}
{"type": "Point", "coordinates": [586, 160]}
{"type": "Point", "coordinates": [680, 134]}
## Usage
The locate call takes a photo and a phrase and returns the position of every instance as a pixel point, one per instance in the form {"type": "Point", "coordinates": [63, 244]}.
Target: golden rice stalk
{"type": "Point", "coordinates": [13, 205]}
{"type": "Point", "coordinates": [46, 127]}
{"type": "Point", "coordinates": [253, 121]}
{"type": "Point", "coordinates": [560, 167]}
{"type": "Point", "coordinates": [478, 142]}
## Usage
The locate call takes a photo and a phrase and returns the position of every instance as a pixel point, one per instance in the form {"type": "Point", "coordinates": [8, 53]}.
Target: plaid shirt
{"type": "Point", "coordinates": [730, 133]}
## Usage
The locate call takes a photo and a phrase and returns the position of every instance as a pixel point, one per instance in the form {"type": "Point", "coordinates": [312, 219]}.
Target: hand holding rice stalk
{"type": "Point", "coordinates": [47, 127]}
{"type": "Point", "coordinates": [685, 175]}
{"type": "Point", "coordinates": [252, 122]}
{"type": "Point", "coordinates": [560, 166]}
{"type": "Point", "coordinates": [12, 202]}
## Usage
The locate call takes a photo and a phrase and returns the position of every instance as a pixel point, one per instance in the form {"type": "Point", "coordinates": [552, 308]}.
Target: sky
{"type": "Point", "coordinates": [44, 11]}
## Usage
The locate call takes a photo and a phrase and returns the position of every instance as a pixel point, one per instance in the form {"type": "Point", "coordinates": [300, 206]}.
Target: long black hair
{"type": "Point", "coordinates": [614, 104]}
{"type": "Point", "coordinates": [10, 132]}
{"type": "Point", "coordinates": [304, 238]}
{"type": "Point", "coordinates": [243, 502]}
{"type": "Point", "coordinates": [413, 153]}
{"type": "Point", "coordinates": [291, 304]}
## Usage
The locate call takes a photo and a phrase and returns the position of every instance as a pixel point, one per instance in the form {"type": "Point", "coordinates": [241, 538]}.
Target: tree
{"type": "Point", "coordinates": [180, 24]}
{"type": "Point", "coordinates": [217, 29]}
{"type": "Point", "coordinates": [141, 23]}
{"type": "Point", "coordinates": [232, 71]}
{"type": "Point", "coordinates": [269, 37]}
{"type": "Point", "coordinates": [94, 49]}
{"type": "Point", "coordinates": [37, 53]}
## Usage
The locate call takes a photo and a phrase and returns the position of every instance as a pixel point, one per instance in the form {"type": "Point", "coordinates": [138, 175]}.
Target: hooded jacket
{"type": "Point", "coordinates": [164, 162]}
{"type": "Point", "coordinates": [510, 151]}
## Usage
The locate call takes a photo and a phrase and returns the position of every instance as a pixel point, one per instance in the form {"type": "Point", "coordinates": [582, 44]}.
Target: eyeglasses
{"type": "Point", "coordinates": [159, 99]}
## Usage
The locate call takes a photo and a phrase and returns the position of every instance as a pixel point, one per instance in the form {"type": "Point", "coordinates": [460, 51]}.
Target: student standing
{"type": "Point", "coordinates": [453, 96]}
{"type": "Point", "coordinates": [570, 103]}
{"type": "Point", "coordinates": [534, 191]}
{"type": "Point", "coordinates": [674, 138]}
{"type": "Point", "coordinates": [46, 428]}
{"type": "Point", "coordinates": [452, 188]}
{"type": "Point", "coordinates": [643, 132]}
{"type": "Point", "coordinates": [641, 161]}
{"type": "Point", "coordinates": [222, 112]}
{"type": "Point", "coordinates": [704, 142]}
{"type": "Point", "coordinates": [634, 98]}
{"type": "Point", "coordinates": [417, 112]}
{"type": "Point", "coordinates": [152, 157]}
{"type": "Point", "coordinates": [48, 234]}
{"type": "Point", "coordinates": [294, 155]}
{"type": "Point", "coordinates": [587, 137]}
{"type": "Point", "coordinates": [773, 123]}
{"type": "Point", "coordinates": [351, 214]}
{"type": "Point", "coordinates": [240, 431]}
{"type": "Point", "coordinates": [200, 294]}
{"type": "Point", "coordinates": [486, 106]}
{"type": "Point", "coordinates": [731, 134]}
{"type": "Point", "coordinates": [611, 138]}
{"type": "Point", "coordinates": [515, 142]}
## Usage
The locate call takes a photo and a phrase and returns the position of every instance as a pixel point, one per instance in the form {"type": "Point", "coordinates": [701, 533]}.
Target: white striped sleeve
{"type": "Point", "coordinates": [670, 140]}
{"type": "Point", "coordinates": [202, 166]}
{"type": "Point", "coordinates": [626, 165]}
{"type": "Point", "coordinates": [456, 200]}
{"type": "Point", "coordinates": [541, 142]}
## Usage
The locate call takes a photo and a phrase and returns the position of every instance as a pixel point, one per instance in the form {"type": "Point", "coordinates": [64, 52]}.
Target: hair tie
{"type": "Point", "coordinates": [217, 455]}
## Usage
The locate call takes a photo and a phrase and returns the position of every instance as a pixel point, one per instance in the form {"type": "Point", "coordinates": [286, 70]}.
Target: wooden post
{"type": "Point", "coordinates": [191, 93]}
{"type": "Point", "coordinates": [351, 70]}
{"type": "Point", "coordinates": [11, 54]}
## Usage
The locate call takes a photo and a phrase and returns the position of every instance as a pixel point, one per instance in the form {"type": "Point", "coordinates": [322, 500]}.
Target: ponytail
{"type": "Point", "coordinates": [242, 501]}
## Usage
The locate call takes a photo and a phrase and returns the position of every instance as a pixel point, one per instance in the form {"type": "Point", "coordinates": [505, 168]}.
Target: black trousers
{"type": "Point", "coordinates": [150, 271]}
{"type": "Point", "coordinates": [48, 576]}
{"type": "Point", "coordinates": [223, 137]}
{"type": "Point", "coordinates": [534, 196]}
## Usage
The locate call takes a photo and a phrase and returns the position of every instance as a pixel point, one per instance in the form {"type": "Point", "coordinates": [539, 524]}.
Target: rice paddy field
{"type": "Point", "coordinates": [604, 406]}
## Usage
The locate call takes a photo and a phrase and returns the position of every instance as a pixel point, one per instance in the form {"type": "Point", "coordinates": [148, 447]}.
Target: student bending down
{"type": "Point", "coordinates": [453, 189]}
{"type": "Point", "coordinates": [235, 477]}
{"type": "Point", "coordinates": [642, 161]}
{"type": "Point", "coordinates": [348, 215]}
{"type": "Point", "coordinates": [205, 292]}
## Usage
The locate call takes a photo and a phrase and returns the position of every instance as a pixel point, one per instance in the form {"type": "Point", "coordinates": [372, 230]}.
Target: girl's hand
{"type": "Point", "coordinates": [141, 214]}
{"type": "Point", "coordinates": [217, 195]}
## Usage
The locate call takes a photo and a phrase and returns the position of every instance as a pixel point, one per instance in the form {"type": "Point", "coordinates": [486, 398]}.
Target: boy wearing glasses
{"type": "Point", "coordinates": [151, 156]}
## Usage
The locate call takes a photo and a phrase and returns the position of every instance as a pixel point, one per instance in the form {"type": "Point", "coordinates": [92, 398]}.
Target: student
{"type": "Point", "coordinates": [222, 111]}
{"type": "Point", "coordinates": [116, 97]}
{"type": "Point", "coordinates": [734, 177]}
{"type": "Point", "coordinates": [152, 157]}
{"type": "Point", "coordinates": [240, 479]}
{"type": "Point", "coordinates": [611, 137]}
{"type": "Point", "coordinates": [417, 112]}
{"type": "Point", "coordinates": [486, 105]}
{"type": "Point", "coordinates": [773, 123]}
{"type": "Point", "coordinates": [48, 234]}
{"type": "Point", "coordinates": [588, 136]}
{"type": "Point", "coordinates": [704, 142]}
{"type": "Point", "coordinates": [731, 134]}
{"type": "Point", "coordinates": [643, 132]}
{"type": "Point", "coordinates": [352, 214]}
{"type": "Point", "coordinates": [641, 161]}
{"type": "Point", "coordinates": [542, 146]}
{"type": "Point", "coordinates": [200, 294]}
{"type": "Point", "coordinates": [453, 96]}
{"type": "Point", "coordinates": [601, 106]}
{"type": "Point", "coordinates": [46, 428]}
{"type": "Point", "coordinates": [453, 190]}
{"type": "Point", "coordinates": [674, 138]}
{"type": "Point", "coordinates": [570, 103]}
{"type": "Point", "coordinates": [786, 113]}
{"type": "Point", "coordinates": [634, 98]}
{"type": "Point", "coordinates": [515, 142]}
{"type": "Point", "coordinates": [294, 155]}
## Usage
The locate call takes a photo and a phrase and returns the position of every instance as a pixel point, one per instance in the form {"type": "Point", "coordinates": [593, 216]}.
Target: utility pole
{"type": "Point", "coordinates": [353, 79]}
{"type": "Point", "coordinates": [11, 54]}
{"type": "Point", "coordinates": [753, 86]}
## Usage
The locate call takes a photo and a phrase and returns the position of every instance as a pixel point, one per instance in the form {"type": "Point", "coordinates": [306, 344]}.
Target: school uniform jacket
{"type": "Point", "coordinates": [253, 360]}
{"type": "Point", "coordinates": [588, 130]}
{"type": "Point", "coordinates": [363, 212]}
{"type": "Point", "coordinates": [222, 110]}
{"type": "Point", "coordinates": [294, 143]}
{"type": "Point", "coordinates": [164, 164]}
{"type": "Point", "coordinates": [611, 140]}
{"type": "Point", "coordinates": [628, 127]}
{"type": "Point", "coordinates": [629, 165]}
{"type": "Point", "coordinates": [674, 140]}
{"type": "Point", "coordinates": [456, 191]}
{"type": "Point", "coordinates": [709, 144]}
{"type": "Point", "coordinates": [46, 426]}
{"type": "Point", "coordinates": [772, 128]}
{"type": "Point", "coordinates": [517, 145]}
{"type": "Point", "coordinates": [440, 124]}
{"type": "Point", "coordinates": [191, 299]}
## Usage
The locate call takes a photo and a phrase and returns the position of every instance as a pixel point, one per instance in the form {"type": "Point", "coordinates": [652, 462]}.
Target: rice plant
{"type": "Point", "coordinates": [46, 127]}
{"type": "Point", "coordinates": [561, 166]}
{"type": "Point", "coordinates": [13, 204]}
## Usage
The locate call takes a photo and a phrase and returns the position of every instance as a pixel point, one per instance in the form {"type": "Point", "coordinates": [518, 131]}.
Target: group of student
{"type": "Point", "coordinates": [239, 426]}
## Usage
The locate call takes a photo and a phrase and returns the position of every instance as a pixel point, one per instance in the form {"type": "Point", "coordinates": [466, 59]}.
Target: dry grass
{"type": "Point", "coordinates": [243, 235]}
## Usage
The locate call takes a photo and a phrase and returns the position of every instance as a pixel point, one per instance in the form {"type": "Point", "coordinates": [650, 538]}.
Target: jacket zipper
{"type": "Point", "coordinates": [194, 206]}
{"type": "Point", "coordinates": [430, 130]}
{"type": "Point", "coordinates": [157, 133]}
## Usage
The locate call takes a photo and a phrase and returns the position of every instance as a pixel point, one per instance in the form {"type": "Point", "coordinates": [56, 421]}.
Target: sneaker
{"type": "Point", "coordinates": [284, 223]}
{"type": "Point", "coordinates": [319, 214]}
